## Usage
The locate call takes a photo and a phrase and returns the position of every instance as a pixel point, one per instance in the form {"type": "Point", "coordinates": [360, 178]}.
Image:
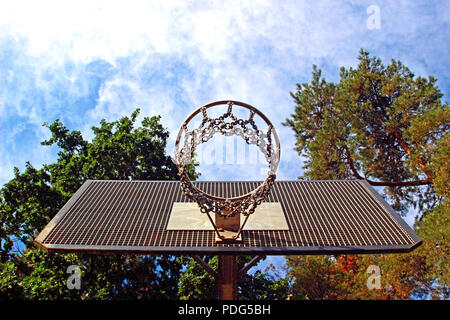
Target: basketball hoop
{"type": "Point", "coordinates": [227, 210]}
{"type": "Point", "coordinates": [298, 218]}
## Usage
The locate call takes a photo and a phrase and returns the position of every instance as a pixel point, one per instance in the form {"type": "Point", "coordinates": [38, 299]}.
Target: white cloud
{"type": "Point", "coordinates": [171, 57]}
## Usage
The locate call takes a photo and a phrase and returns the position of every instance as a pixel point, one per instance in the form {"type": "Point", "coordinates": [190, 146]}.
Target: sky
{"type": "Point", "coordinates": [82, 61]}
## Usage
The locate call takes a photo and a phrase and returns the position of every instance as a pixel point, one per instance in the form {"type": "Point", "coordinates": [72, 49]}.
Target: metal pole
{"type": "Point", "coordinates": [227, 277]}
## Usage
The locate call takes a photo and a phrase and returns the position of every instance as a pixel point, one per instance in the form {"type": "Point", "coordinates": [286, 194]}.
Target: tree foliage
{"type": "Point", "coordinates": [379, 123]}
{"type": "Point", "coordinates": [28, 202]}
{"type": "Point", "coordinates": [385, 125]}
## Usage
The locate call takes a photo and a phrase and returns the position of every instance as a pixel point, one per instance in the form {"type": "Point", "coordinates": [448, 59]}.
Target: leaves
{"type": "Point", "coordinates": [379, 123]}
{"type": "Point", "coordinates": [118, 150]}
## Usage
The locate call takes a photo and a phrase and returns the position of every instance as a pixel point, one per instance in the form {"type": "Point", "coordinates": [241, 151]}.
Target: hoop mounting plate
{"type": "Point", "coordinates": [187, 216]}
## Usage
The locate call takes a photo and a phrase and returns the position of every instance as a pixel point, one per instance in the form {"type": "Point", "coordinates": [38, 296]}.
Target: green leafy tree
{"type": "Point", "coordinates": [196, 283]}
{"type": "Point", "coordinates": [318, 277]}
{"type": "Point", "coordinates": [28, 202]}
{"type": "Point", "coordinates": [382, 124]}
{"type": "Point", "coordinates": [379, 123]}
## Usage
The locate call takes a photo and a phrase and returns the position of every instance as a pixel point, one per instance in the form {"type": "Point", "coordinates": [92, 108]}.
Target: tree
{"type": "Point", "coordinates": [379, 123]}
{"type": "Point", "coordinates": [28, 202]}
{"type": "Point", "coordinates": [320, 277]}
{"type": "Point", "coordinates": [386, 126]}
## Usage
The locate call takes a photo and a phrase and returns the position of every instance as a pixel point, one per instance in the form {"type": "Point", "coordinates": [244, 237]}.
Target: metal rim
{"type": "Point", "coordinates": [244, 105]}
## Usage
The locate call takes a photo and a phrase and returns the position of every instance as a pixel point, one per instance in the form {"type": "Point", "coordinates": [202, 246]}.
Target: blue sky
{"type": "Point", "coordinates": [87, 60]}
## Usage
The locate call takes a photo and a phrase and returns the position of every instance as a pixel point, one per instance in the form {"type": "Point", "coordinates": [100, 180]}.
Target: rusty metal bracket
{"type": "Point", "coordinates": [241, 272]}
{"type": "Point", "coordinates": [205, 266]}
{"type": "Point", "coordinates": [252, 262]}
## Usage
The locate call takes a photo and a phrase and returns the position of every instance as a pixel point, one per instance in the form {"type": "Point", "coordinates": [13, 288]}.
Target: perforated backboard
{"type": "Point", "coordinates": [316, 217]}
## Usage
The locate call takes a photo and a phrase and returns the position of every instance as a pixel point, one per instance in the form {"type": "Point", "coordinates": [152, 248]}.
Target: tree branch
{"type": "Point", "coordinates": [404, 145]}
{"type": "Point", "coordinates": [384, 183]}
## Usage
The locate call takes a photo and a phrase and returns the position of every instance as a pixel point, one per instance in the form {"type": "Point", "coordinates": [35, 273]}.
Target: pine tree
{"type": "Point", "coordinates": [382, 124]}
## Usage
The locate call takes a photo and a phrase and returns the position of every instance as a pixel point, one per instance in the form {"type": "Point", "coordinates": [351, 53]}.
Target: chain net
{"type": "Point", "coordinates": [227, 124]}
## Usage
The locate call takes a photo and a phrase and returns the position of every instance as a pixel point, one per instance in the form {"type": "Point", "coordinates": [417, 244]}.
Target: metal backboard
{"type": "Point", "coordinates": [322, 217]}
